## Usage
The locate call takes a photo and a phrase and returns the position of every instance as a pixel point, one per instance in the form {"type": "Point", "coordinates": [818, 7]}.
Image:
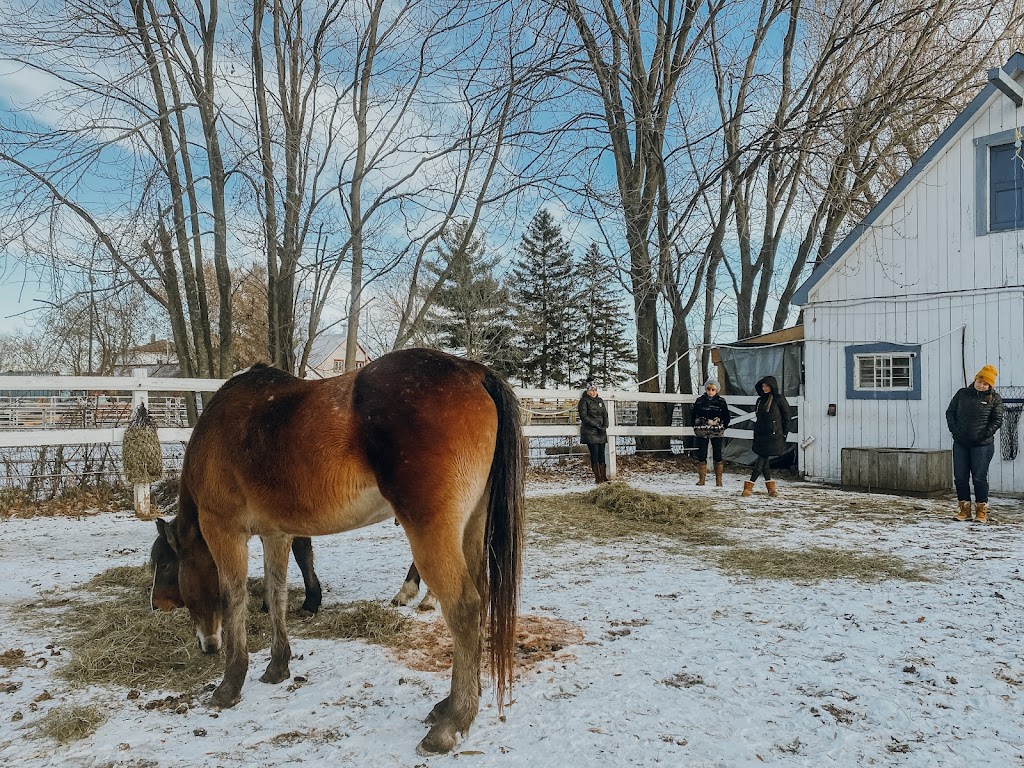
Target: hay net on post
{"type": "Point", "coordinates": [141, 453]}
{"type": "Point", "coordinates": [1009, 434]}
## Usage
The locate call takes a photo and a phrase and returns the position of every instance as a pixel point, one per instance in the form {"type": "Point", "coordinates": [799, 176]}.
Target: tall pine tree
{"type": "Point", "coordinates": [543, 298]}
{"type": "Point", "coordinates": [605, 354]}
{"type": "Point", "coordinates": [470, 316]}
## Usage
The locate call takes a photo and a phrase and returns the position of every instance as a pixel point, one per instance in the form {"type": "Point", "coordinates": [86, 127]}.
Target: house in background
{"type": "Point", "coordinates": [158, 357]}
{"type": "Point", "coordinates": [327, 356]}
{"type": "Point", "coordinates": [921, 294]}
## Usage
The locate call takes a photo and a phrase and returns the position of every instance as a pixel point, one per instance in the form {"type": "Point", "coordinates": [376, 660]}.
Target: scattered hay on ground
{"type": "Point", "coordinates": [71, 723]}
{"type": "Point", "coordinates": [427, 645]}
{"type": "Point", "coordinates": [816, 564]}
{"type": "Point", "coordinates": [363, 619]}
{"type": "Point", "coordinates": [617, 510]}
{"type": "Point", "coordinates": [74, 502]}
{"type": "Point", "coordinates": [116, 639]}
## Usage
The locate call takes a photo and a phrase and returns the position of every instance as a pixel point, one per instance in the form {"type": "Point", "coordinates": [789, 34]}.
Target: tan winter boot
{"type": "Point", "coordinates": [770, 485]}
{"type": "Point", "coordinates": [981, 512]}
{"type": "Point", "coordinates": [597, 473]}
{"type": "Point", "coordinates": [702, 474]}
{"type": "Point", "coordinates": [719, 469]}
{"type": "Point", "coordinates": [748, 488]}
{"type": "Point", "coordinates": [965, 511]}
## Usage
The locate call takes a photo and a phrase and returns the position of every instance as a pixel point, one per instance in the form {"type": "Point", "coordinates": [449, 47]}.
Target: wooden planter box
{"type": "Point", "coordinates": [909, 471]}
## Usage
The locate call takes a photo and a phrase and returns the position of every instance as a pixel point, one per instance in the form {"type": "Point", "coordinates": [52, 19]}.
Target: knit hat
{"type": "Point", "coordinates": [988, 374]}
{"type": "Point", "coordinates": [590, 386]}
{"type": "Point", "coordinates": [712, 382]}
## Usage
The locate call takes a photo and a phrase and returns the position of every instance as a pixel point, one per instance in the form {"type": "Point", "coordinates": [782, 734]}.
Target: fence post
{"type": "Point", "coordinates": [609, 448]}
{"type": "Point", "coordinates": [142, 490]}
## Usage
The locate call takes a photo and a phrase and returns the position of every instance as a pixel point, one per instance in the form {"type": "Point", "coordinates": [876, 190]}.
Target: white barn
{"type": "Point", "coordinates": [921, 294]}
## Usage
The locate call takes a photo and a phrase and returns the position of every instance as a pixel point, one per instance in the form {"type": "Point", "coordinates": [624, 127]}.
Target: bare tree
{"type": "Point", "coordinates": [823, 107]}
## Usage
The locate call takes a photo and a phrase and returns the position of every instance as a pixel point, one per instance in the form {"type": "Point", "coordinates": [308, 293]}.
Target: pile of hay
{"type": "Point", "coordinates": [71, 723]}
{"type": "Point", "coordinates": [617, 510]}
{"type": "Point", "coordinates": [816, 564]}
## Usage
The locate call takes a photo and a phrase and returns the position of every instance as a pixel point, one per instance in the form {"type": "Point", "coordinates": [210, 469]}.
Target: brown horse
{"type": "Point", "coordinates": [429, 438]}
{"type": "Point", "coordinates": [164, 594]}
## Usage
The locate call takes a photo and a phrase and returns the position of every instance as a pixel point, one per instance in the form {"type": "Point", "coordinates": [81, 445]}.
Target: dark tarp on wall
{"type": "Point", "coordinates": [743, 367]}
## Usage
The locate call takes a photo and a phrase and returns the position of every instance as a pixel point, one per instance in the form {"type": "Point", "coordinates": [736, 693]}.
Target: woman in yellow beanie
{"type": "Point", "coordinates": [974, 415]}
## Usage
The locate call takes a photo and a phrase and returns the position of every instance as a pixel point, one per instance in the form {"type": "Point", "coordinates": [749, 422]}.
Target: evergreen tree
{"type": "Point", "coordinates": [470, 316]}
{"type": "Point", "coordinates": [544, 306]}
{"type": "Point", "coordinates": [605, 353]}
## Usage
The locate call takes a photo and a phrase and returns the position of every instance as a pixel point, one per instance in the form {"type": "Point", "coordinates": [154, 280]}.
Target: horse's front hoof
{"type": "Point", "coordinates": [225, 697]}
{"type": "Point", "coordinates": [274, 676]}
{"type": "Point", "coordinates": [440, 740]}
{"type": "Point", "coordinates": [308, 610]}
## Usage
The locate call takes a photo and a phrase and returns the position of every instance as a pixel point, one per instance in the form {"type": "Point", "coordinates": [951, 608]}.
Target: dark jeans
{"type": "Point", "coordinates": [596, 453]}
{"type": "Point", "coordinates": [761, 466]}
{"type": "Point", "coordinates": [702, 448]}
{"type": "Point", "coordinates": [972, 462]}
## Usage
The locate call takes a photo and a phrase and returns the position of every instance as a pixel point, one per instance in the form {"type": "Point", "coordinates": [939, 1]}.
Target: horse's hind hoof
{"type": "Point", "coordinates": [225, 698]}
{"type": "Point", "coordinates": [275, 676]}
{"type": "Point", "coordinates": [437, 712]}
{"type": "Point", "coordinates": [440, 740]}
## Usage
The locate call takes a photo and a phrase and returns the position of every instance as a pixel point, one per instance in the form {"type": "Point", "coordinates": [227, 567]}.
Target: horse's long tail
{"type": "Point", "coordinates": [503, 537]}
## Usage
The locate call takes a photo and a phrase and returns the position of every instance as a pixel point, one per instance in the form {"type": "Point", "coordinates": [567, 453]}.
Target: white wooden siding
{"type": "Point", "coordinates": [926, 242]}
{"type": "Point", "coordinates": [993, 323]}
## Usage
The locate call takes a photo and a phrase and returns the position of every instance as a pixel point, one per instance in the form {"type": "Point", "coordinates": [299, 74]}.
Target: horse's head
{"type": "Point", "coordinates": [185, 575]}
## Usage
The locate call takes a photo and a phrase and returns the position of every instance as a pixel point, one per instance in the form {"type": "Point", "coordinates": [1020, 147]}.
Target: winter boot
{"type": "Point", "coordinates": [719, 469]}
{"type": "Point", "coordinates": [748, 488]}
{"type": "Point", "coordinates": [981, 512]}
{"type": "Point", "coordinates": [602, 470]}
{"type": "Point", "coordinates": [702, 474]}
{"type": "Point", "coordinates": [965, 511]}
{"type": "Point", "coordinates": [770, 485]}
{"type": "Point", "coordinates": [597, 473]}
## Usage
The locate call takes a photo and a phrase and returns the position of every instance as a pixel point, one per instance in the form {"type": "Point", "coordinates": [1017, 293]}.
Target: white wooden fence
{"type": "Point", "coordinates": [542, 403]}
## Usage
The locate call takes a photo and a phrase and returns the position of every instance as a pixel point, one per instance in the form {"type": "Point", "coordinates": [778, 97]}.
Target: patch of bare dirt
{"type": "Point", "coordinates": [427, 646]}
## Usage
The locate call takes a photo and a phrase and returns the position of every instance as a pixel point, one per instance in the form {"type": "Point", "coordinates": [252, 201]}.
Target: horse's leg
{"type": "Point", "coordinates": [455, 581]}
{"type": "Point", "coordinates": [275, 575]}
{"type": "Point", "coordinates": [231, 553]}
{"type": "Point", "coordinates": [409, 589]}
{"type": "Point", "coordinates": [302, 549]}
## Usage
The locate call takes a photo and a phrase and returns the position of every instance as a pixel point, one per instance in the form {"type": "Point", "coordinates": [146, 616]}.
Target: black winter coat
{"type": "Point", "coordinates": [772, 423]}
{"type": "Point", "coordinates": [973, 417]}
{"type": "Point", "coordinates": [593, 420]}
{"type": "Point", "coordinates": [710, 416]}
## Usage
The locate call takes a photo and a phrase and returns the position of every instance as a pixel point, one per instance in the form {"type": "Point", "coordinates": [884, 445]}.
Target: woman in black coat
{"type": "Point", "coordinates": [594, 430]}
{"type": "Point", "coordinates": [710, 418]}
{"type": "Point", "coordinates": [974, 416]}
{"type": "Point", "coordinates": [770, 429]}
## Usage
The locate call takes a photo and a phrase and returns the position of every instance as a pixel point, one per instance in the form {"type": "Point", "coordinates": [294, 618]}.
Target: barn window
{"type": "Point", "coordinates": [339, 366]}
{"type": "Point", "coordinates": [883, 372]}
{"type": "Point", "coordinates": [1006, 188]}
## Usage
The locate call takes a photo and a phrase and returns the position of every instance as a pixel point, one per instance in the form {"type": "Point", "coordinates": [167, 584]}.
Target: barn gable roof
{"type": "Point", "coordinates": [1013, 68]}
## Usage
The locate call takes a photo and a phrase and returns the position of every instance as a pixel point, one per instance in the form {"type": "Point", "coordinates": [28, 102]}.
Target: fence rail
{"type": "Point", "coordinates": [85, 410]}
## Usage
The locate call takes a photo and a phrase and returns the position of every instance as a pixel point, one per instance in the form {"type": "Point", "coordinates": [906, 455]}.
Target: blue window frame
{"type": "Point", "coordinates": [1005, 188]}
{"type": "Point", "coordinates": [883, 372]}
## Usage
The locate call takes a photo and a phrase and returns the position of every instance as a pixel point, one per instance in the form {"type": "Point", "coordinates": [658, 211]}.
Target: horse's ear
{"type": "Point", "coordinates": [166, 531]}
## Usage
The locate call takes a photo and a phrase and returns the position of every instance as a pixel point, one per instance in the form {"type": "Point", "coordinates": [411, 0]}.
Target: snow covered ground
{"type": "Point", "coordinates": [679, 664]}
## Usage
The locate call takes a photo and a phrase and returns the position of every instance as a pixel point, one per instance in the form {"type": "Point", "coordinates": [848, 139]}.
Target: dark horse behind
{"type": "Point", "coordinates": [431, 439]}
